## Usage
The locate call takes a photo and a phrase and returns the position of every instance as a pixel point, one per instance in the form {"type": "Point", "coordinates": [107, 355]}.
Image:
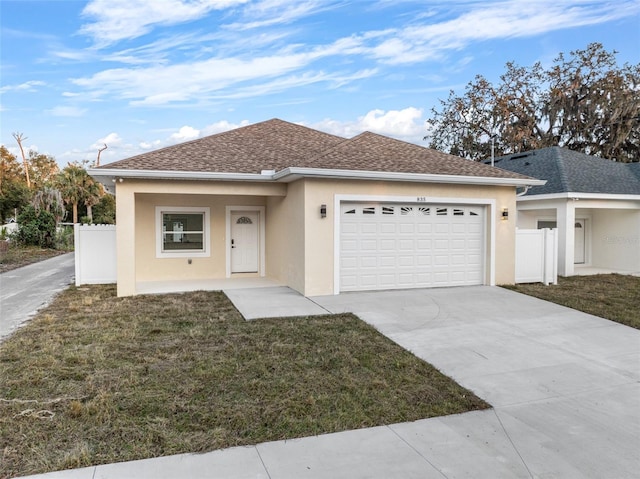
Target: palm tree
{"type": "Point", "coordinates": [76, 186]}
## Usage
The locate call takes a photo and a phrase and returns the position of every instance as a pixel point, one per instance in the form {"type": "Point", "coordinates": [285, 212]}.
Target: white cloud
{"type": "Point", "coordinates": [111, 140]}
{"type": "Point", "coordinates": [26, 86]}
{"type": "Point", "coordinates": [159, 84]}
{"type": "Point", "coordinates": [117, 20]}
{"type": "Point", "coordinates": [185, 133]}
{"type": "Point", "coordinates": [220, 126]}
{"type": "Point", "coordinates": [279, 12]}
{"type": "Point", "coordinates": [66, 111]}
{"type": "Point", "coordinates": [406, 124]}
{"type": "Point", "coordinates": [483, 21]}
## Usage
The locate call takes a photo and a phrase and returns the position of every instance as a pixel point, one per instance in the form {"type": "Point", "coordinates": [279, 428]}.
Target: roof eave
{"type": "Point", "coordinates": [577, 196]}
{"type": "Point", "coordinates": [108, 176]}
{"type": "Point", "coordinates": [293, 173]}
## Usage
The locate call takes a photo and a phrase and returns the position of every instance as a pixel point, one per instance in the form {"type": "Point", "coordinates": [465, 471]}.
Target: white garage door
{"type": "Point", "coordinates": [391, 246]}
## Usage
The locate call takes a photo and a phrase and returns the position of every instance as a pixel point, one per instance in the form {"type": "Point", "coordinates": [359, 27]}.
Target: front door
{"type": "Point", "coordinates": [244, 242]}
{"type": "Point", "coordinates": [578, 252]}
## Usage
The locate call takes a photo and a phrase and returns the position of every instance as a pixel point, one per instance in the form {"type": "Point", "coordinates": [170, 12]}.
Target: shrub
{"type": "Point", "coordinates": [36, 228]}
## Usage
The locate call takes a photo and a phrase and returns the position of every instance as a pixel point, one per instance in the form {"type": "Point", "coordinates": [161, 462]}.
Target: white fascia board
{"type": "Point", "coordinates": [583, 196]}
{"type": "Point", "coordinates": [175, 175]}
{"type": "Point", "coordinates": [291, 174]}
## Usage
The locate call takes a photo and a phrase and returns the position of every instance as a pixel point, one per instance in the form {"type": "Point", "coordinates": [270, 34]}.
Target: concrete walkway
{"type": "Point", "coordinates": [25, 290]}
{"type": "Point", "coordinates": [565, 387]}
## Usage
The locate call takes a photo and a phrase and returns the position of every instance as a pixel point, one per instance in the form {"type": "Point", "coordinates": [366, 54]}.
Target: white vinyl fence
{"type": "Point", "coordinates": [95, 250]}
{"type": "Point", "coordinates": [537, 256]}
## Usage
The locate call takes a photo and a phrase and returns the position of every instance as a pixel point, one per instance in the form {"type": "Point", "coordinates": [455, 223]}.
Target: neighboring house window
{"type": "Point", "coordinates": [182, 231]}
{"type": "Point", "coordinates": [547, 224]}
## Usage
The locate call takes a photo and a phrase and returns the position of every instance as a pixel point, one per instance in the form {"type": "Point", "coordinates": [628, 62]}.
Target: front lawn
{"type": "Point", "coordinates": [611, 296]}
{"type": "Point", "coordinates": [96, 379]}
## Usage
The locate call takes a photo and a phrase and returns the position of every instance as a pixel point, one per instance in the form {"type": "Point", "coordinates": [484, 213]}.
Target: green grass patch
{"type": "Point", "coordinates": [96, 379]}
{"type": "Point", "coordinates": [610, 296]}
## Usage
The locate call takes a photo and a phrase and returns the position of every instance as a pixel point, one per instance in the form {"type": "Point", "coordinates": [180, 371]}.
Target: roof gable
{"type": "Point", "coordinates": [269, 145]}
{"type": "Point", "coordinates": [568, 171]}
{"type": "Point", "coordinates": [276, 145]}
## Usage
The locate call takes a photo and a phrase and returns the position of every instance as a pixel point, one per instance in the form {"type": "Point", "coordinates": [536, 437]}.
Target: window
{"type": "Point", "coordinates": [369, 210]}
{"type": "Point", "coordinates": [388, 210]}
{"type": "Point", "coordinates": [182, 231]}
{"type": "Point", "coordinates": [547, 224]}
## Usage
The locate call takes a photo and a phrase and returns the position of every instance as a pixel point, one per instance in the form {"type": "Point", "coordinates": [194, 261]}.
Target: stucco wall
{"type": "Point", "coordinates": [319, 233]}
{"type": "Point", "coordinates": [286, 237]}
{"type": "Point", "coordinates": [299, 243]}
{"type": "Point", "coordinates": [136, 228]}
{"type": "Point", "coordinates": [616, 239]}
{"type": "Point", "coordinates": [151, 268]}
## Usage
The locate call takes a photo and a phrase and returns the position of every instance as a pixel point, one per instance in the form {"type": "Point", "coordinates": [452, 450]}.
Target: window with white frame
{"type": "Point", "coordinates": [182, 231]}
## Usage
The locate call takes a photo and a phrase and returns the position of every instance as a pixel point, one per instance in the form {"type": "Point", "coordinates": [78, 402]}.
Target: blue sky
{"type": "Point", "coordinates": [139, 75]}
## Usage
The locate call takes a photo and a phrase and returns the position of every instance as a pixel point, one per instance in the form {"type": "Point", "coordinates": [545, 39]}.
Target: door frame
{"type": "Point", "coordinates": [260, 210]}
{"type": "Point", "coordinates": [489, 244]}
{"type": "Point", "coordinates": [586, 218]}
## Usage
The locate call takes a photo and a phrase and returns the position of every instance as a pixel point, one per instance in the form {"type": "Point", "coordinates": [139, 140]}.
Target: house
{"type": "Point", "coordinates": [317, 212]}
{"type": "Point", "coordinates": [594, 203]}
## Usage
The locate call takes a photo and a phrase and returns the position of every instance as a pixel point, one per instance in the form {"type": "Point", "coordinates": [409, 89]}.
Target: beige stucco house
{"type": "Point", "coordinates": [317, 212]}
{"type": "Point", "coordinates": [593, 202]}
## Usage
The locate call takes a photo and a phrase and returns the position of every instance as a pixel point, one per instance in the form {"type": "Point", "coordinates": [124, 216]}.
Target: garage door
{"type": "Point", "coordinates": [391, 246]}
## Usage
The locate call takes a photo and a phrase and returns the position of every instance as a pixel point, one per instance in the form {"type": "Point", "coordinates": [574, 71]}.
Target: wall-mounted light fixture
{"type": "Point", "coordinates": [323, 211]}
{"type": "Point", "coordinates": [505, 214]}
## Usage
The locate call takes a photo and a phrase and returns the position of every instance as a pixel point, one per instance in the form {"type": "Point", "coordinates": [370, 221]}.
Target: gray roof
{"type": "Point", "coordinates": [276, 144]}
{"type": "Point", "coordinates": [571, 171]}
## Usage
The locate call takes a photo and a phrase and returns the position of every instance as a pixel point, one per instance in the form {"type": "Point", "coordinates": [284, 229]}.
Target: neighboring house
{"type": "Point", "coordinates": [320, 213]}
{"type": "Point", "coordinates": [594, 203]}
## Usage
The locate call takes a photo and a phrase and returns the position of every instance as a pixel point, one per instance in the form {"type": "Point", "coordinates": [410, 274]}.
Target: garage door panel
{"type": "Point", "coordinates": [406, 246]}
{"type": "Point", "coordinates": [388, 228]}
{"type": "Point", "coordinates": [405, 261]}
{"type": "Point", "coordinates": [441, 244]}
{"type": "Point", "coordinates": [387, 244]}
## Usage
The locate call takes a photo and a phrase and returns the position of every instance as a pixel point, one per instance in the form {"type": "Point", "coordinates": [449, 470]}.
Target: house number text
{"type": "Point", "coordinates": [421, 199]}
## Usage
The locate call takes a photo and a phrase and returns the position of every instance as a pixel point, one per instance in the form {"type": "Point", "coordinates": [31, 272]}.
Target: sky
{"type": "Point", "coordinates": [138, 75]}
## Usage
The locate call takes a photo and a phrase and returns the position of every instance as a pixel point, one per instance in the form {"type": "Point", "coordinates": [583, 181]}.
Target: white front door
{"type": "Point", "coordinates": [578, 252]}
{"type": "Point", "coordinates": [244, 242]}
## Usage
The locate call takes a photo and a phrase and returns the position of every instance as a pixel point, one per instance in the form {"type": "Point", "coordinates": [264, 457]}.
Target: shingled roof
{"type": "Point", "coordinates": [276, 145]}
{"type": "Point", "coordinates": [568, 171]}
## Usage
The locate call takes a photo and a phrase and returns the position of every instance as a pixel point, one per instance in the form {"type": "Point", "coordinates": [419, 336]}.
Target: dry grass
{"type": "Point", "coordinates": [96, 379]}
{"type": "Point", "coordinates": [18, 256]}
{"type": "Point", "coordinates": [611, 296]}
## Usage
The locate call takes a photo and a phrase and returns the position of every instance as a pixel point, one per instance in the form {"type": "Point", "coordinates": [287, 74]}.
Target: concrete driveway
{"type": "Point", "coordinates": [565, 385]}
{"type": "Point", "coordinates": [25, 290]}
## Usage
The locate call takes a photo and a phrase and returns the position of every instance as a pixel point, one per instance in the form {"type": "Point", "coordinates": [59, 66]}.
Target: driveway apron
{"type": "Point", "coordinates": [565, 385]}
{"type": "Point", "coordinates": [25, 290]}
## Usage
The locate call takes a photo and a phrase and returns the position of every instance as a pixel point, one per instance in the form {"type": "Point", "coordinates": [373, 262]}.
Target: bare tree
{"type": "Point", "coordinates": [20, 138]}
{"type": "Point", "coordinates": [100, 150]}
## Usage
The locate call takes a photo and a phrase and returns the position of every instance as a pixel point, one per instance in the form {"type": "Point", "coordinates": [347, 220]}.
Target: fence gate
{"type": "Point", "coordinates": [537, 256]}
{"type": "Point", "coordinates": [95, 254]}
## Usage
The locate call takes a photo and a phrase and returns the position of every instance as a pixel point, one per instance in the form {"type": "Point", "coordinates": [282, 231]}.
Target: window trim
{"type": "Point", "coordinates": [206, 225]}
